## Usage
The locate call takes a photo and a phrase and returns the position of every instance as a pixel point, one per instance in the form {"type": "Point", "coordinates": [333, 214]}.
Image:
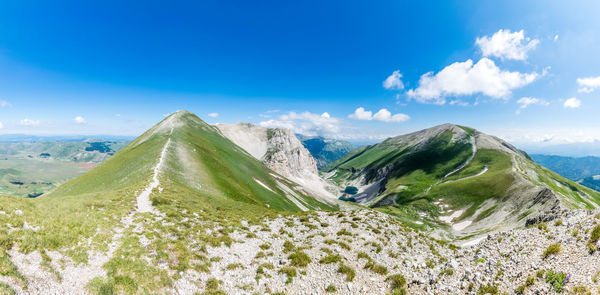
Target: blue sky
{"type": "Point", "coordinates": [69, 67]}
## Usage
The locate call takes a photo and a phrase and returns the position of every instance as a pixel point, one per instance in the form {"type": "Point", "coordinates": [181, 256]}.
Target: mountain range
{"type": "Point", "coordinates": [583, 170]}
{"type": "Point", "coordinates": [189, 207]}
{"type": "Point", "coordinates": [325, 150]}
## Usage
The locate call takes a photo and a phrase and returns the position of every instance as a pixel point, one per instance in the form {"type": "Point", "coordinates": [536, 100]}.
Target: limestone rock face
{"type": "Point", "coordinates": [286, 154]}
{"type": "Point", "coordinates": [282, 152]}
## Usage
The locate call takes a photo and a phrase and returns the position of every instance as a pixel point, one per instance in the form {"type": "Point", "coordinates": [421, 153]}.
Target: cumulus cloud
{"type": "Point", "coordinates": [29, 122]}
{"type": "Point", "coordinates": [80, 120]}
{"type": "Point", "coordinates": [382, 115]}
{"type": "Point", "coordinates": [361, 114]}
{"type": "Point", "coordinates": [587, 85]}
{"type": "Point", "coordinates": [213, 115]}
{"type": "Point", "coordinates": [572, 103]}
{"type": "Point", "coordinates": [4, 103]}
{"type": "Point", "coordinates": [505, 44]}
{"type": "Point", "coordinates": [466, 78]}
{"type": "Point", "coordinates": [306, 123]}
{"type": "Point", "coordinates": [394, 81]}
{"type": "Point", "coordinates": [524, 102]}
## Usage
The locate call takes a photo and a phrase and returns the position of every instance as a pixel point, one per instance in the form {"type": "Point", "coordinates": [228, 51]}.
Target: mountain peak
{"type": "Point", "coordinates": [174, 122]}
{"type": "Point", "coordinates": [423, 137]}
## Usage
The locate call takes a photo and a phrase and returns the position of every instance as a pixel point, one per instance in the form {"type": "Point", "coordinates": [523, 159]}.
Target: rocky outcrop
{"type": "Point", "coordinates": [282, 152]}
{"type": "Point", "coordinates": [278, 148]}
{"type": "Point", "coordinates": [286, 154]}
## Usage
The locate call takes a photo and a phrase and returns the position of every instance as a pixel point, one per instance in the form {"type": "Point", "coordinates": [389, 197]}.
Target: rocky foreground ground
{"type": "Point", "coordinates": [366, 252]}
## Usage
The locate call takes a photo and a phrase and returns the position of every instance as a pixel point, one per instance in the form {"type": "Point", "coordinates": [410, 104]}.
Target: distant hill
{"type": "Point", "coordinates": [580, 149]}
{"type": "Point", "coordinates": [31, 167]}
{"type": "Point", "coordinates": [62, 138]}
{"type": "Point", "coordinates": [584, 170]}
{"type": "Point", "coordinates": [325, 150]}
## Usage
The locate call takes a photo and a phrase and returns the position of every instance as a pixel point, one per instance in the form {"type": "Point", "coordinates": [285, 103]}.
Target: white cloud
{"type": "Point", "coordinates": [4, 103]}
{"type": "Point", "coordinates": [546, 136]}
{"type": "Point", "coordinates": [382, 115]}
{"type": "Point", "coordinates": [507, 45]}
{"type": "Point", "coordinates": [459, 103]}
{"type": "Point", "coordinates": [385, 116]}
{"type": "Point", "coordinates": [361, 114]}
{"type": "Point", "coordinates": [524, 102]}
{"type": "Point", "coordinates": [306, 123]}
{"type": "Point", "coordinates": [80, 120]}
{"type": "Point", "coordinates": [555, 37]}
{"type": "Point", "coordinates": [589, 84]}
{"type": "Point", "coordinates": [1, 125]}
{"type": "Point", "coordinates": [394, 81]}
{"type": "Point", "coordinates": [213, 115]}
{"type": "Point", "coordinates": [572, 103]}
{"type": "Point", "coordinates": [29, 122]}
{"type": "Point", "coordinates": [466, 78]}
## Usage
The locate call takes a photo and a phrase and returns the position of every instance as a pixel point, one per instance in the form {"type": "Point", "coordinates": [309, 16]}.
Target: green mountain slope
{"type": "Point", "coordinates": [201, 172]}
{"type": "Point", "coordinates": [325, 150]}
{"type": "Point", "coordinates": [134, 223]}
{"type": "Point", "coordinates": [199, 159]}
{"type": "Point", "coordinates": [455, 178]}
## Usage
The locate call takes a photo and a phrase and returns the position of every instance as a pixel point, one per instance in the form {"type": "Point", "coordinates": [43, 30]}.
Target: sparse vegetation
{"type": "Point", "coordinates": [290, 272]}
{"type": "Point", "coordinates": [348, 271]}
{"type": "Point", "coordinates": [299, 259]}
{"type": "Point", "coordinates": [398, 283]}
{"type": "Point", "coordinates": [288, 247]}
{"type": "Point", "coordinates": [376, 268]}
{"type": "Point", "coordinates": [233, 266]}
{"type": "Point", "coordinates": [580, 289]}
{"type": "Point", "coordinates": [488, 289]}
{"type": "Point", "coordinates": [447, 272]}
{"type": "Point", "coordinates": [556, 280]}
{"type": "Point", "coordinates": [553, 249]}
{"type": "Point", "coordinates": [261, 268]}
{"type": "Point", "coordinates": [330, 289]}
{"type": "Point", "coordinates": [331, 258]}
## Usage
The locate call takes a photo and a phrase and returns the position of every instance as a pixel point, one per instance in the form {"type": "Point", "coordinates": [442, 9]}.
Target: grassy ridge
{"type": "Point", "coordinates": [214, 177]}
{"type": "Point", "coordinates": [224, 170]}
